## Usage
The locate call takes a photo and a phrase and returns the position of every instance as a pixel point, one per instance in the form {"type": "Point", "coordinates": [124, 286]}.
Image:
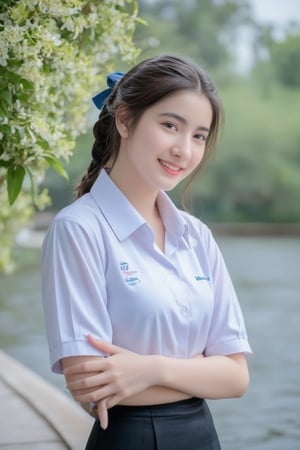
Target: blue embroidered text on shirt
{"type": "Point", "coordinates": [124, 265]}
{"type": "Point", "coordinates": [129, 275]}
{"type": "Point", "coordinates": [199, 278]}
{"type": "Point", "coordinates": [132, 281]}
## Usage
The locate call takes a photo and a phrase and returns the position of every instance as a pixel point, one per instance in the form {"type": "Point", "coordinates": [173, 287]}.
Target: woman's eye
{"type": "Point", "coordinates": [170, 125]}
{"type": "Point", "coordinates": [200, 137]}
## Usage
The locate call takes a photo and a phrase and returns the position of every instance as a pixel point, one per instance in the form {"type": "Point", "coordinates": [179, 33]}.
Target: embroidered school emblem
{"type": "Point", "coordinates": [130, 276]}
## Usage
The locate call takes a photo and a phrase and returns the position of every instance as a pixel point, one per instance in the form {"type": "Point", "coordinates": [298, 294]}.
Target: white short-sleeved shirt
{"type": "Point", "coordinates": [103, 275]}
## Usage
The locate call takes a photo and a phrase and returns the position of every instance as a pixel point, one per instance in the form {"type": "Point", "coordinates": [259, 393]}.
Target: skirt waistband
{"type": "Point", "coordinates": [191, 405]}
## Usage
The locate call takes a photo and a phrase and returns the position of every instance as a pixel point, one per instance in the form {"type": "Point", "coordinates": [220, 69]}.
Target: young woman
{"type": "Point", "coordinates": [141, 314]}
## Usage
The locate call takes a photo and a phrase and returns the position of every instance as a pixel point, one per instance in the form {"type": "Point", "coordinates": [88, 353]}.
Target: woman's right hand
{"type": "Point", "coordinates": [113, 378]}
{"type": "Point", "coordinates": [108, 381]}
{"type": "Point", "coordinates": [100, 411]}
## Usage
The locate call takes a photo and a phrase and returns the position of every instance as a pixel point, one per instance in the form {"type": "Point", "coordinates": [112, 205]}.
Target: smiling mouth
{"type": "Point", "coordinates": [170, 166]}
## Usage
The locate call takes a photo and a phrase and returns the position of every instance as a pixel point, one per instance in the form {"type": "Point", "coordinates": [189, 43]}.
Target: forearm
{"type": "Point", "coordinates": [130, 378]}
{"type": "Point", "coordinates": [150, 395]}
{"type": "Point", "coordinates": [211, 377]}
{"type": "Point", "coordinates": [155, 395]}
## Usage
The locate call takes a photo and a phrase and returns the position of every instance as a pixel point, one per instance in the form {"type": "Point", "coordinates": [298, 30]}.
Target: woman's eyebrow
{"type": "Point", "coordinates": [182, 120]}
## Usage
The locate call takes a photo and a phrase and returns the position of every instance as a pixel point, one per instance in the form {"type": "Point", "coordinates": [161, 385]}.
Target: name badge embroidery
{"type": "Point", "coordinates": [130, 276]}
{"type": "Point", "coordinates": [201, 278]}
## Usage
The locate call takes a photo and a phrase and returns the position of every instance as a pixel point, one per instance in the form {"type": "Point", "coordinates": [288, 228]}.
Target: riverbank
{"type": "Point", "coordinates": [35, 414]}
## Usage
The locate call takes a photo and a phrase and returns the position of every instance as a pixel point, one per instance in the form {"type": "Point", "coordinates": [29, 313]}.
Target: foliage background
{"type": "Point", "coordinates": [53, 53]}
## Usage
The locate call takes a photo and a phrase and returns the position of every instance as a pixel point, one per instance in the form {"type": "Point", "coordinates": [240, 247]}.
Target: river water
{"type": "Point", "coordinates": [266, 274]}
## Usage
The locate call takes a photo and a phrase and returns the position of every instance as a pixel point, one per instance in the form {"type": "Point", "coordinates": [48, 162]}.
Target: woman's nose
{"type": "Point", "coordinates": [182, 148]}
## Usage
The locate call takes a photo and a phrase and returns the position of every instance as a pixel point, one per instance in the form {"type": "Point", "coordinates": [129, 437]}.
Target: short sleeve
{"type": "Point", "coordinates": [73, 289]}
{"type": "Point", "coordinates": [227, 333]}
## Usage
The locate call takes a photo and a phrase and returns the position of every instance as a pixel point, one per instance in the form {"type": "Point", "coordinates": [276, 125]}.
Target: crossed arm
{"type": "Point", "coordinates": [133, 379]}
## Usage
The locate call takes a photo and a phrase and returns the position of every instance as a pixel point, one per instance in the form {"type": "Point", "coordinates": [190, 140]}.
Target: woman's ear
{"type": "Point", "coordinates": [122, 121]}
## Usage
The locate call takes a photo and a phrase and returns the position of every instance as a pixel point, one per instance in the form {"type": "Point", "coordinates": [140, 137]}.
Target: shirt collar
{"type": "Point", "coordinates": [124, 219]}
{"type": "Point", "coordinates": [116, 208]}
{"type": "Point", "coordinates": [173, 220]}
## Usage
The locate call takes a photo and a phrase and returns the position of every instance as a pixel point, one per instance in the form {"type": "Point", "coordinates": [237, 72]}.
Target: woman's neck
{"type": "Point", "coordinates": [141, 196]}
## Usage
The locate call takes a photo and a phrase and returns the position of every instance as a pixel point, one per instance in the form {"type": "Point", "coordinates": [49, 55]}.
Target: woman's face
{"type": "Point", "coordinates": [167, 143]}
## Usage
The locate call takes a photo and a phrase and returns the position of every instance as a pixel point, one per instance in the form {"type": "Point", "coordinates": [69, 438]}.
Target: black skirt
{"type": "Point", "coordinates": [183, 425]}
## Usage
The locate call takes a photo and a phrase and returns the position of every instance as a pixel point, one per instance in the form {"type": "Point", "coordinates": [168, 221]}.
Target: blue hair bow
{"type": "Point", "coordinates": [112, 79]}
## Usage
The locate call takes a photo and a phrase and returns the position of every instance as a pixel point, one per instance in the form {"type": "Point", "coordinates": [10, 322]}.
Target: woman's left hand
{"type": "Point", "coordinates": [114, 378]}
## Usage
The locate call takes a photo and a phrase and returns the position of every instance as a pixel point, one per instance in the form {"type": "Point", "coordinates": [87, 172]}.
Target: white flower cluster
{"type": "Point", "coordinates": [53, 58]}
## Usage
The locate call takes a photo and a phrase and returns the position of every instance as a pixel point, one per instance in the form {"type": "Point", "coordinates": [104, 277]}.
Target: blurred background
{"type": "Point", "coordinates": [249, 195]}
{"type": "Point", "coordinates": [251, 49]}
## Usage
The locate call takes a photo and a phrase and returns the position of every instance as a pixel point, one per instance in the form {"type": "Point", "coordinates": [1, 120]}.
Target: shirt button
{"type": "Point", "coordinates": [184, 311]}
{"type": "Point", "coordinates": [182, 308]}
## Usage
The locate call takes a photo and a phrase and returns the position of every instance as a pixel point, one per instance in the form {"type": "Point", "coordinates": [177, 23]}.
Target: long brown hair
{"type": "Point", "coordinates": [145, 84]}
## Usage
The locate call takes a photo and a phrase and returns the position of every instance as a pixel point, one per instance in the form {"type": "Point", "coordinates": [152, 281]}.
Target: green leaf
{"type": "Point", "coordinates": [13, 77]}
{"type": "Point", "coordinates": [15, 177]}
{"type": "Point", "coordinates": [28, 85]}
{"type": "Point", "coordinates": [43, 143]}
{"type": "Point", "coordinates": [5, 129]}
{"type": "Point", "coordinates": [5, 97]}
{"type": "Point", "coordinates": [56, 165]}
{"type": "Point", "coordinates": [32, 187]}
